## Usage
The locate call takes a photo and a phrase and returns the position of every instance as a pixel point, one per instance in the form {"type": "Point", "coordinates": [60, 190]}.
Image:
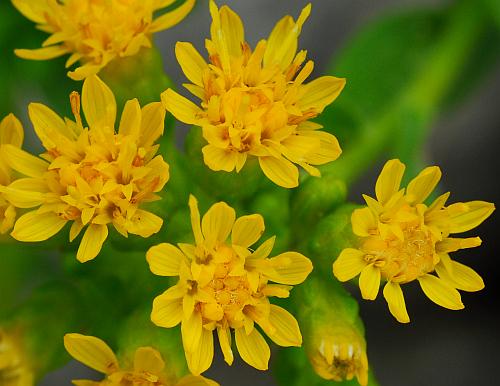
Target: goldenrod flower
{"type": "Point", "coordinates": [401, 239]}
{"type": "Point", "coordinates": [95, 32]}
{"type": "Point", "coordinates": [256, 103]}
{"type": "Point", "coordinates": [148, 368]}
{"type": "Point", "coordinates": [224, 285]}
{"type": "Point", "coordinates": [340, 354]}
{"type": "Point", "coordinates": [14, 366]}
{"type": "Point", "coordinates": [90, 176]}
{"type": "Point", "coordinates": [11, 132]}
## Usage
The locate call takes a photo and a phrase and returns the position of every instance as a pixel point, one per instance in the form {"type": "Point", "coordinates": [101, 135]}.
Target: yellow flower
{"type": "Point", "coordinates": [95, 32]}
{"type": "Point", "coordinates": [401, 239]}
{"type": "Point", "coordinates": [11, 132]}
{"type": "Point", "coordinates": [90, 176]}
{"type": "Point", "coordinates": [340, 354]}
{"type": "Point", "coordinates": [148, 368]}
{"type": "Point", "coordinates": [14, 367]}
{"type": "Point", "coordinates": [256, 104]}
{"type": "Point", "coordinates": [224, 285]}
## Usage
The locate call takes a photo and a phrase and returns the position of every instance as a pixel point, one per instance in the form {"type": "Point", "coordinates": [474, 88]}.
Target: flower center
{"type": "Point", "coordinates": [404, 260]}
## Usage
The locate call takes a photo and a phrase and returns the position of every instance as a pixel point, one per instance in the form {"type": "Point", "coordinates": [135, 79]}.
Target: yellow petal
{"type": "Point", "coordinates": [191, 380]}
{"type": "Point", "coordinates": [144, 223]}
{"type": "Point", "coordinates": [219, 159]}
{"type": "Point", "coordinates": [172, 18]}
{"type": "Point", "coordinates": [26, 192]}
{"type": "Point", "coordinates": [320, 93]}
{"type": "Point", "coordinates": [99, 105]}
{"type": "Point", "coordinates": [37, 227]}
{"type": "Point", "coordinates": [181, 108]}
{"type": "Point", "coordinates": [363, 222]}
{"type": "Point", "coordinates": [389, 180]}
{"type": "Point", "coordinates": [422, 185]}
{"type": "Point", "coordinates": [247, 230]}
{"type": "Point", "coordinates": [191, 330]}
{"type": "Point", "coordinates": [92, 352]}
{"type": "Point", "coordinates": [91, 243]}
{"type": "Point", "coordinates": [476, 212]}
{"type": "Point", "coordinates": [369, 282]}
{"type": "Point", "coordinates": [152, 123]}
{"type": "Point", "coordinates": [130, 121]}
{"type": "Point", "coordinates": [224, 335]}
{"type": "Point", "coordinates": [451, 244]}
{"type": "Point", "coordinates": [86, 71]}
{"type": "Point", "coordinates": [192, 63]}
{"type": "Point", "coordinates": [440, 292]}
{"type": "Point", "coordinates": [165, 259]}
{"type": "Point", "coordinates": [460, 276]}
{"type": "Point", "coordinates": [33, 10]}
{"type": "Point", "coordinates": [286, 331]}
{"type": "Point", "coordinates": [349, 264]}
{"type": "Point", "coordinates": [218, 222]}
{"type": "Point", "coordinates": [11, 131]}
{"type": "Point", "coordinates": [42, 53]}
{"type": "Point", "coordinates": [148, 360]}
{"type": "Point", "coordinates": [167, 309]}
{"type": "Point", "coordinates": [23, 162]}
{"type": "Point", "coordinates": [264, 249]}
{"type": "Point", "coordinates": [202, 355]}
{"type": "Point", "coordinates": [396, 302]}
{"type": "Point", "coordinates": [49, 126]}
{"type": "Point", "coordinates": [253, 348]}
{"type": "Point", "coordinates": [231, 31]}
{"type": "Point", "coordinates": [290, 268]}
{"type": "Point", "coordinates": [281, 171]}
{"type": "Point", "coordinates": [329, 149]}
{"type": "Point", "coordinates": [195, 219]}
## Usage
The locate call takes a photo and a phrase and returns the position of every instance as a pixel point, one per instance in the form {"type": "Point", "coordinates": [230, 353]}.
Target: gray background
{"type": "Point", "coordinates": [439, 347]}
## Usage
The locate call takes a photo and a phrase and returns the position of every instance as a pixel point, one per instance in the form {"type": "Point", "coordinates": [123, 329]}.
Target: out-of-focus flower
{"type": "Point", "coordinates": [401, 239]}
{"type": "Point", "coordinates": [11, 133]}
{"type": "Point", "coordinates": [90, 176]}
{"type": "Point", "coordinates": [256, 103]}
{"type": "Point", "coordinates": [147, 369]}
{"type": "Point", "coordinates": [224, 285]}
{"type": "Point", "coordinates": [95, 32]}
{"type": "Point", "coordinates": [14, 366]}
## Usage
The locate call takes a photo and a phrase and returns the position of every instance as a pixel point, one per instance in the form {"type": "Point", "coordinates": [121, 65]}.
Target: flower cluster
{"type": "Point", "coordinates": [223, 285]}
{"type": "Point", "coordinates": [89, 176]}
{"type": "Point", "coordinates": [98, 31]}
{"type": "Point", "coordinates": [14, 366]}
{"type": "Point", "coordinates": [256, 103]}
{"type": "Point", "coordinates": [401, 239]}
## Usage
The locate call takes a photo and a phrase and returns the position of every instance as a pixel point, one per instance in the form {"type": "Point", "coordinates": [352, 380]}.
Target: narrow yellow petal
{"type": "Point", "coordinates": [440, 293]}
{"type": "Point", "coordinates": [34, 11]}
{"type": "Point", "coordinates": [24, 162]}
{"type": "Point", "coordinates": [281, 171]}
{"type": "Point", "coordinates": [369, 282]}
{"type": "Point", "coordinates": [148, 360]}
{"type": "Point", "coordinates": [191, 380]}
{"type": "Point", "coordinates": [167, 309]}
{"type": "Point", "coordinates": [286, 331]}
{"type": "Point", "coordinates": [91, 243]}
{"type": "Point", "coordinates": [422, 185]}
{"type": "Point", "coordinates": [247, 230]}
{"type": "Point", "coordinates": [92, 352]}
{"type": "Point", "coordinates": [363, 222]}
{"type": "Point", "coordinates": [11, 131]}
{"type": "Point", "coordinates": [165, 259]}
{"type": "Point", "coordinates": [144, 223]}
{"type": "Point", "coordinates": [253, 348]}
{"type": "Point", "coordinates": [219, 159]}
{"type": "Point", "coordinates": [202, 355]}
{"type": "Point", "coordinates": [99, 105]}
{"type": "Point", "coordinates": [224, 335]}
{"type": "Point", "coordinates": [329, 149]}
{"type": "Point", "coordinates": [451, 244]}
{"type": "Point", "coordinates": [349, 264]}
{"type": "Point", "coordinates": [191, 330]}
{"type": "Point", "coordinates": [290, 268]}
{"type": "Point", "coordinates": [320, 93]}
{"type": "Point", "coordinates": [396, 302]}
{"type": "Point", "coordinates": [37, 227]}
{"type": "Point", "coordinates": [389, 180]}
{"type": "Point", "coordinates": [460, 276]}
{"type": "Point", "coordinates": [180, 107]}
{"type": "Point", "coordinates": [49, 126]}
{"type": "Point", "coordinates": [476, 212]}
{"type": "Point", "coordinates": [218, 222]}
{"type": "Point", "coordinates": [42, 53]}
{"type": "Point", "coordinates": [130, 121]}
{"type": "Point", "coordinates": [192, 63]}
{"type": "Point", "coordinates": [195, 219]}
{"type": "Point", "coordinates": [152, 123]}
{"type": "Point", "coordinates": [231, 31]}
{"type": "Point", "coordinates": [172, 18]}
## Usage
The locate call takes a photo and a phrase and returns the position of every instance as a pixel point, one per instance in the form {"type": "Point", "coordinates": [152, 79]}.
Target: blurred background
{"type": "Point", "coordinates": [390, 41]}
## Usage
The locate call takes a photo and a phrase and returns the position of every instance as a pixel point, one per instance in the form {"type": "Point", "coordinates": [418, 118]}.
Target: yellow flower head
{"type": "Point", "coordinates": [89, 176]}
{"type": "Point", "coordinates": [256, 103]}
{"type": "Point", "coordinates": [340, 354]}
{"type": "Point", "coordinates": [95, 32]}
{"type": "Point", "coordinates": [401, 239]}
{"type": "Point", "coordinates": [11, 132]}
{"type": "Point", "coordinates": [224, 285]}
{"type": "Point", "coordinates": [147, 369]}
{"type": "Point", "coordinates": [14, 367]}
